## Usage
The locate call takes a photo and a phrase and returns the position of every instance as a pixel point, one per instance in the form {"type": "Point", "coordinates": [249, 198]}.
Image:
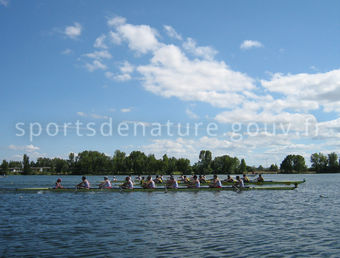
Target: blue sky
{"type": "Point", "coordinates": [264, 74]}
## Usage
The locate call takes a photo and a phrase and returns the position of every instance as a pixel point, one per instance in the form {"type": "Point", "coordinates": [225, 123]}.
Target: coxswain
{"type": "Point", "coordinates": [172, 183]}
{"type": "Point", "coordinates": [128, 184]}
{"type": "Point", "coordinates": [239, 182]}
{"type": "Point", "coordinates": [149, 183]}
{"type": "Point", "coordinates": [106, 184]}
{"type": "Point", "coordinates": [84, 184]}
{"type": "Point", "coordinates": [195, 183]}
{"type": "Point", "coordinates": [245, 179]}
{"type": "Point", "coordinates": [58, 184]}
{"type": "Point", "coordinates": [216, 182]}
{"type": "Point", "coordinates": [229, 179]}
{"type": "Point", "coordinates": [260, 178]}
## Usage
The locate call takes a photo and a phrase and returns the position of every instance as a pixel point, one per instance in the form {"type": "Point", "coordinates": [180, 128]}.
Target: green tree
{"type": "Point", "coordinates": [4, 167]}
{"type": "Point", "coordinates": [243, 166]}
{"type": "Point", "coordinates": [119, 162]}
{"type": "Point", "coordinates": [205, 159]}
{"type": "Point", "coordinates": [319, 162]}
{"type": "Point", "coordinates": [333, 164]}
{"type": "Point", "coordinates": [26, 165]}
{"type": "Point", "coordinates": [293, 163]}
{"type": "Point", "coordinates": [274, 168]}
{"type": "Point", "coordinates": [183, 165]}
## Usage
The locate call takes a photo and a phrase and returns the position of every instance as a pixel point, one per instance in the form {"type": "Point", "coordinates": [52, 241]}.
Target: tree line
{"type": "Point", "coordinates": [137, 162]}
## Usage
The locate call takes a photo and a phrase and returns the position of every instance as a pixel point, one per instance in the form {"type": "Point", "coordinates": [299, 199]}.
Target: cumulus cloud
{"type": "Point", "coordinates": [171, 73]}
{"type": "Point", "coordinates": [100, 42]}
{"type": "Point", "coordinates": [73, 31]}
{"type": "Point", "coordinates": [172, 32]}
{"type": "Point", "coordinates": [248, 44]}
{"type": "Point", "coordinates": [204, 52]}
{"type": "Point", "coordinates": [125, 110]}
{"type": "Point", "coordinates": [311, 89]}
{"type": "Point", "coordinates": [95, 65]}
{"type": "Point", "coordinates": [104, 54]}
{"type": "Point", "coordinates": [140, 38]}
{"type": "Point", "coordinates": [27, 148]}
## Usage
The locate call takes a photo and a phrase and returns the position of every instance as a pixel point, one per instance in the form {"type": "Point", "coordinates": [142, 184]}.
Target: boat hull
{"type": "Point", "coordinates": [158, 189]}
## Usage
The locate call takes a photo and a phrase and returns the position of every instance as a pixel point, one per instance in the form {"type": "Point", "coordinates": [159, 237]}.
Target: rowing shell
{"type": "Point", "coordinates": [158, 189]}
{"type": "Point", "coordinates": [232, 183]}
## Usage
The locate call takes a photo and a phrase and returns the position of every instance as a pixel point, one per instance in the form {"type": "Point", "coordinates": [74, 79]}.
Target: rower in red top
{"type": "Point", "coordinates": [216, 182]}
{"type": "Point", "coordinates": [85, 184]}
{"type": "Point", "coordinates": [58, 184]}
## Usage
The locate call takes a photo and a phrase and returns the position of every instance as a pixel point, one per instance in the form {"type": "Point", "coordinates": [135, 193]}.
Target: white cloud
{"type": "Point", "coordinates": [115, 38]}
{"type": "Point", "coordinates": [126, 110]}
{"type": "Point", "coordinates": [95, 65]}
{"type": "Point", "coordinates": [27, 148]}
{"type": "Point", "coordinates": [248, 44]}
{"type": "Point", "coordinates": [172, 32]}
{"type": "Point", "coordinates": [73, 31]}
{"type": "Point", "coordinates": [104, 54]}
{"type": "Point", "coordinates": [204, 52]}
{"type": "Point", "coordinates": [123, 77]}
{"type": "Point", "coordinates": [67, 51]}
{"type": "Point", "coordinates": [191, 114]}
{"type": "Point", "coordinates": [140, 38]}
{"type": "Point", "coordinates": [170, 73]}
{"type": "Point", "coordinates": [100, 42]}
{"type": "Point", "coordinates": [116, 21]}
{"type": "Point", "coordinates": [93, 115]}
{"type": "Point", "coordinates": [82, 114]}
{"type": "Point", "coordinates": [314, 90]}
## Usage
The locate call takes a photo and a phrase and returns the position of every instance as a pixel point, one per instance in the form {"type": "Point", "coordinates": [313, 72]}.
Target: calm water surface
{"type": "Point", "coordinates": [300, 223]}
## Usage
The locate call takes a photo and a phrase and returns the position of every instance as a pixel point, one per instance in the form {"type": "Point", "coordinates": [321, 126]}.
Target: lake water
{"type": "Point", "coordinates": [301, 223]}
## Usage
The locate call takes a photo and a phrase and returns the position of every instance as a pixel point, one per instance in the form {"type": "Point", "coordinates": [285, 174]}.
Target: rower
{"type": "Point", "coordinates": [138, 178]}
{"type": "Point", "coordinates": [229, 179]}
{"type": "Point", "coordinates": [216, 182]}
{"type": "Point", "coordinates": [149, 183]}
{"type": "Point", "coordinates": [58, 184]}
{"type": "Point", "coordinates": [195, 183]}
{"type": "Point", "coordinates": [245, 178]}
{"type": "Point", "coordinates": [202, 179]}
{"type": "Point", "coordinates": [186, 180]}
{"type": "Point", "coordinates": [239, 182]}
{"type": "Point", "coordinates": [158, 180]}
{"type": "Point", "coordinates": [128, 184]}
{"type": "Point", "coordinates": [260, 178]}
{"type": "Point", "coordinates": [106, 184]}
{"type": "Point", "coordinates": [172, 183]}
{"type": "Point", "coordinates": [142, 181]}
{"type": "Point", "coordinates": [114, 179]}
{"type": "Point", "coordinates": [84, 184]}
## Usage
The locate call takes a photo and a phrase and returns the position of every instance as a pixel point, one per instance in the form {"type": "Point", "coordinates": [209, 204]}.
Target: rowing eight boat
{"type": "Point", "coordinates": [230, 183]}
{"type": "Point", "coordinates": [157, 189]}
